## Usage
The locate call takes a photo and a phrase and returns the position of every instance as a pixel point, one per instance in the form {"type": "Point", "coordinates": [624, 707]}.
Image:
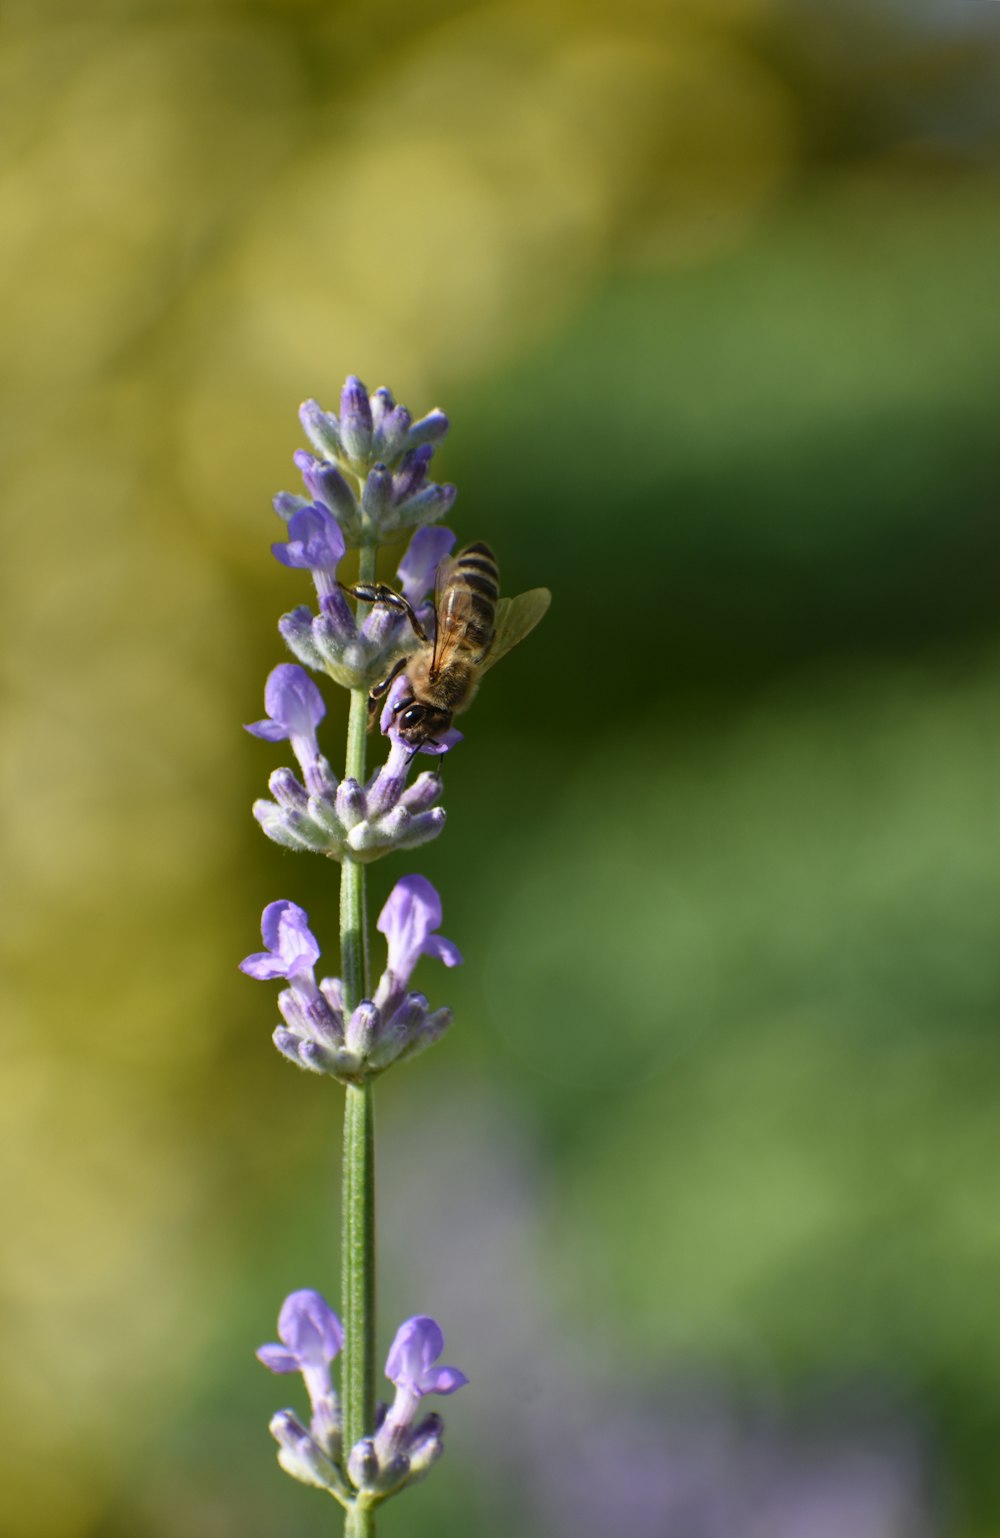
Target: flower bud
{"type": "Point", "coordinates": [362, 1028]}
{"type": "Point", "coordinates": [377, 496]}
{"type": "Point", "coordinates": [355, 420]}
{"type": "Point", "coordinates": [291, 829]}
{"type": "Point", "coordinates": [412, 473]}
{"type": "Point", "coordinates": [390, 436]}
{"type": "Point", "coordinates": [321, 428]}
{"type": "Point", "coordinates": [286, 504]}
{"type": "Point", "coordinates": [423, 792]}
{"type": "Point", "coordinates": [422, 828]}
{"type": "Point", "coordinates": [326, 485]}
{"type": "Point", "coordinates": [428, 505]}
{"type": "Point", "coordinates": [426, 1446]}
{"type": "Point", "coordinates": [287, 790]}
{"type": "Point", "coordinates": [352, 803]}
{"type": "Point", "coordinates": [287, 1045]}
{"type": "Point", "coordinates": [299, 1455]}
{"type": "Point", "coordinates": [362, 1465]}
{"type": "Point", "coordinates": [430, 1030]}
{"type": "Point", "coordinates": [296, 628]}
{"type": "Point", "coordinates": [429, 429]}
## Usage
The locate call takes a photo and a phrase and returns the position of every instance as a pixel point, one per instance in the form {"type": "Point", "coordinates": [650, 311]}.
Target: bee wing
{"type": "Point", "coordinates": [516, 618]}
{"type": "Point", "coordinates": [452, 611]}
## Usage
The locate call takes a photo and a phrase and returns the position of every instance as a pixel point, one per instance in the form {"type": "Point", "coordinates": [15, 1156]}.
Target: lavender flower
{"type": "Point", "coordinates": [311, 1336]}
{"type": "Point", "coordinates": [313, 1033]}
{"type": "Point", "coordinates": [378, 1032]}
{"type": "Point", "coordinates": [375, 443]}
{"type": "Point", "coordinates": [316, 544]}
{"type": "Point", "coordinates": [409, 921]}
{"type": "Point", "coordinates": [410, 1364]}
{"type": "Point", "coordinates": [294, 708]}
{"type": "Point", "coordinates": [292, 948]}
{"type": "Point", "coordinates": [402, 1449]}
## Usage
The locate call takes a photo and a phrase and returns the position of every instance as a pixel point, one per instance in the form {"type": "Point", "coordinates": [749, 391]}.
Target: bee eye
{"type": "Point", "coordinates": [412, 716]}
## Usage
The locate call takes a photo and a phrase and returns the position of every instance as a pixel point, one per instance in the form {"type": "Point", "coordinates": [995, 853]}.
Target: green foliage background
{"type": "Point", "coordinates": [709, 292]}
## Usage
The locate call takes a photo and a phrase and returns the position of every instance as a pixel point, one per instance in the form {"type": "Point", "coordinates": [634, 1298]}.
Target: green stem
{"type": "Point", "coordinates": [357, 1247]}
{"type": "Point", "coordinates": [359, 1522]}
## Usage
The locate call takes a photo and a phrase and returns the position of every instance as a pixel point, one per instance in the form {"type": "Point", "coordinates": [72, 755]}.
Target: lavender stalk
{"type": "Point", "coordinates": [368, 484]}
{"type": "Point", "coordinates": [357, 1218]}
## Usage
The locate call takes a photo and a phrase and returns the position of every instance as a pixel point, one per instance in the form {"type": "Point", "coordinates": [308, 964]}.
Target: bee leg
{"type": "Point", "coordinates": [378, 592]}
{"type": "Point", "coordinates": [378, 692]}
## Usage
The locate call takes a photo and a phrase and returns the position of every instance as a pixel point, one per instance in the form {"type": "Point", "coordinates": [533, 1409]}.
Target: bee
{"type": "Point", "coordinates": [473, 628]}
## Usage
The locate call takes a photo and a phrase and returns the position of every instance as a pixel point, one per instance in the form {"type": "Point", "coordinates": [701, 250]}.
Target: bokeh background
{"type": "Point", "coordinates": [703, 1184]}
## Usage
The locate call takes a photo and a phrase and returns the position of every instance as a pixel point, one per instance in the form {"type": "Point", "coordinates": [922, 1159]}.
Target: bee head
{"type": "Point", "coordinates": [417, 723]}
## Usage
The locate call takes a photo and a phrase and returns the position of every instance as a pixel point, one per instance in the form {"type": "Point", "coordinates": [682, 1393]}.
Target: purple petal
{"type": "Point", "coordinates": [315, 541]}
{"type": "Point", "coordinates": [408, 921]}
{"type": "Point", "coordinates": [285, 928]}
{"type": "Point", "coordinates": [426, 550]}
{"type": "Point", "coordinates": [293, 700]}
{"type": "Point", "coordinates": [278, 1359]}
{"type": "Point", "coordinates": [412, 911]}
{"type": "Point", "coordinates": [310, 1328]}
{"type": "Point", "coordinates": [263, 965]}
{"type": "Point", "coordinates": [419, 1342]}
{"type": "Point", "coordinates": [443, 950]}
{"type": "Point", "coordinates": [271, 731]}
{"type": "Point", "coordinates": [444, 1380]}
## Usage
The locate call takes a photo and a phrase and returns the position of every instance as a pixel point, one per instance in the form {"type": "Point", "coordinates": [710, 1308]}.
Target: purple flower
{"type": "Point", "coordinates": [424, 554]}
{"type": "Point", "coordinates": [316, 544]}
{"type": "Point", "coordinates": [292, 950]}
{"type": "Point", "coordinates": [315, 541]}
{"type": "Point", "coordinates": [408, 921]}
{"type": "Point", "coordinates": [410, 1364]}
{"type": "Point", "coordinates": [295, 708]}
{"type": "Point", "coordinates": [311, 1336]}
{"type": "Point", "coordinates": [310, 1332]}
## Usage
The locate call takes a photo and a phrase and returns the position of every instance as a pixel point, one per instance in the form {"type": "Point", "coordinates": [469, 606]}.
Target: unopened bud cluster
{"type": "Point", "coordinates": [372, 468]}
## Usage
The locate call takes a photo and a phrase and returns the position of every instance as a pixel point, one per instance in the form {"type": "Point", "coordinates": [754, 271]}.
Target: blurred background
{"type": "Point", "coordinates": [703, 1184]}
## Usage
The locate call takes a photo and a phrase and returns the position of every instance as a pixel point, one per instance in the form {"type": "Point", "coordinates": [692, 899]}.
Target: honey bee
{"type": "Point", "coordinates": [473, 628]}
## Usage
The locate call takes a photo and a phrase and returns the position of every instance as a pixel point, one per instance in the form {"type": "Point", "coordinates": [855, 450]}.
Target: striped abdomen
{"type": "Point", "coordinates": [469, 603]}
